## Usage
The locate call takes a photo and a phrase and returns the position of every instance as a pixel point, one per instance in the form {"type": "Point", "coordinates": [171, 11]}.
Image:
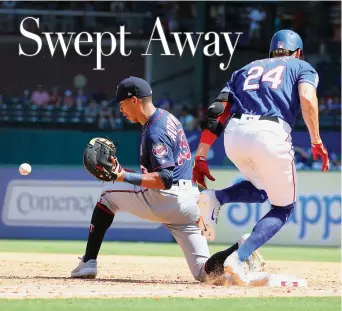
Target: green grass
{"type": "Point", "coordinates": [327, 254]}
{"type": "Point", "coordinates": [186, 304]}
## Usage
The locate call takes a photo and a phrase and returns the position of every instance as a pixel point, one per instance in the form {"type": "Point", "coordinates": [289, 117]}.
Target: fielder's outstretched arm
{"type": "Point", "coordinates": [155, 180]}
{"type": "Point", "coordinates": [161, 179]}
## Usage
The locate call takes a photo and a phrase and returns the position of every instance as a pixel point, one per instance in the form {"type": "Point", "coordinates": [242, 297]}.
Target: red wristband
{"type": "Point", "coordinates": [207, 137]}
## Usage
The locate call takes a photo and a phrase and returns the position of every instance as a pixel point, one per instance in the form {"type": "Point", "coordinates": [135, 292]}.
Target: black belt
{"type": "Point", "coordinates": [181, 182]}
{"type": "Point", "coordinates": [268, 118]}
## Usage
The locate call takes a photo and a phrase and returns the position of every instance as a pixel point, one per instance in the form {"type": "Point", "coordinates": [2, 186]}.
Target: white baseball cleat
{"type": "Point", "coordinates": [209, 210]}
{"type": "Point", "coordinates": [256, 261]}
{"type": "Point", "coordinates": [236, 268]}
{"type": "Point", "coordinates": [85, 270]}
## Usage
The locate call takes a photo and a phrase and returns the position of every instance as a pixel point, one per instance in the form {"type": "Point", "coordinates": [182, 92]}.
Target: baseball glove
{"type": "Point", "coordinates": [98, 162]}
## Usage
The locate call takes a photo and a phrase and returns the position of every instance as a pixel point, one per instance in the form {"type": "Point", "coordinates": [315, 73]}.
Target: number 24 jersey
{"type": "Point", "coordinates": [269, 87]}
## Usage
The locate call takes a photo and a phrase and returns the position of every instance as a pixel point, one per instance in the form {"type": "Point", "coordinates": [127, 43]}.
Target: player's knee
{"type": "Point", "coordinates": [253, 194]}
{"type": "Point", "coordinates": [199, 274]}
{"type": "Point", "coordinates": [288, 209]}
{"type": "Point", "coordinates": [199, 277]}
{"type": "Point", "coordinates": [102, 217]}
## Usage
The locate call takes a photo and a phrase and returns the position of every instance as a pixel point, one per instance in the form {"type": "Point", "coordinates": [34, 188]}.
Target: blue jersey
{"type": "Point", "coordinates": [269, 87]}
{"type": "Point", "coordinates": [164, 145]}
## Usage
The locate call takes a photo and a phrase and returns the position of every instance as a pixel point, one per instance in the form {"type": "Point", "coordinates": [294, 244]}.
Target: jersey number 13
{"type": "Point", "coordinates": [184, 153]}
{"type": "Point", "coordinates": [257, 74]}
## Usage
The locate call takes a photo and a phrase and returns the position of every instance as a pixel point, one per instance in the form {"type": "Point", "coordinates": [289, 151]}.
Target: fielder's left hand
{"type": "Point", "coordinates": [318, 150]}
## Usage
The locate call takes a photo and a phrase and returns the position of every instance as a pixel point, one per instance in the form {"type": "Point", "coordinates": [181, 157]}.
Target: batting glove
{"type": "Point", "coordinates": [318, 150]}
{"type": "Point", "coordinates": [201, 170]}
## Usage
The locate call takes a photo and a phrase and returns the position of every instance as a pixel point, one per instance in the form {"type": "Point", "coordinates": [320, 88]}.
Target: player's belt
{"type": "Point", "coordinates": [268, 118]}
{"type": "Point", "coordinates": [183, 184]}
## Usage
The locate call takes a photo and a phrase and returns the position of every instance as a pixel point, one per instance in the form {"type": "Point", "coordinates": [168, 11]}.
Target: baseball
{"type": "Point", "coordinates": [25, 169]}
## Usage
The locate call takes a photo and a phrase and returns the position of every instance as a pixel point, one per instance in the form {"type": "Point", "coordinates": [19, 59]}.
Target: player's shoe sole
{"type": "Point", "coordinates": [262, 280]}
{"type": "Point", "coordinates": [85, 274]}
{"type": "Point", "coordinates": [236, 269]}
{"type": "Point", "coordinates": [85, 270]}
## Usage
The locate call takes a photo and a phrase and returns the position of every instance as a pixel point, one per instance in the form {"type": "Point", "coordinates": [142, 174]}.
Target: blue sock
{"type": "Point", "coordinates": [242, 192]}
{"type": "Point", "coordinates": [265, 229]}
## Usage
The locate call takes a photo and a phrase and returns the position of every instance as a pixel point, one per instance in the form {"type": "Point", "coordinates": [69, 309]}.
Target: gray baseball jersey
{"type": "Point", "coordinates": [164, 146]}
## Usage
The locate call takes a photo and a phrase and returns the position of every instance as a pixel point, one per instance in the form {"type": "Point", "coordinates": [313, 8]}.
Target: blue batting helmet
{"type": "Point", "coordinates": [286, 39]}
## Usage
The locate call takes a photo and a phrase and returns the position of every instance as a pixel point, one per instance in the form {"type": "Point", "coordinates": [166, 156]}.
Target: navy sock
{"type": "Point", "coordinates": [242, 192]}
{"type": "Point", "coordinates": [214, 265]}
{"type": "Point", "coordinates": [100, 222]}
{"type": "Point", "coordinates": [265, 229]}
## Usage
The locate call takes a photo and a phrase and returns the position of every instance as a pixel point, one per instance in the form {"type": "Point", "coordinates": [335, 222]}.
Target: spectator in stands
{"type": "Point", "coordinates": [91, 111]}
{"type": "Point", "coordinates": [221, 17]}
{"type": "Point", "coordinates": [68, 22]}
{"type": "Point", "coordinates": [277, 21]}
{"type": "Point", "coordinates": [106, 116]}
{"type": "Point", "coordinates": [336, 105]}
{"type": "Point", "coordinates": [9, 4]}
{"type": "Point", "coordinates": [165, 102]}
{"type": "Point", "coordinates": [8, 21]}
{"type": "Point", "coordinates": [55, 98]}
{"type": "Point", "coordinates": [187, 119]}
{"type": "Point", "coordinates": [26, 100]}
{"type": "Point", "coordinates": [68, 100]}
{"type": "Point", "coordinates": [217, 16]}
{"type": "Point", "coordinates": [303, 158]}
{"type": "Point", "coordinates": [300, 23]}
{"type": "Point", "coordinates": [335, 20]}
{"type": "Point", "coordinates": [201, 113]}
{"type": "Point", "coordinates": [335, 160]}
{"type": "Point", "coordinates": [99, 95]}
{"type": "Point", "coordinates": [117, 6]}
{"type": "Point", "coordinates": [171, 22]}
{"type": "Point", "coordinates": [332, 102]}
{"type": "Point", "coordinates": [81, 99]}
{"type": "Point", "coordinates": [322, 106]}
{"type": "Point", "coordinates": [256, 16]}
{"type": "Point", "coordinates": [40, 97]}
{"type": "Point", "coordinates": [89, 21]}
{"type": "Point", "coordinates": [49, 22]}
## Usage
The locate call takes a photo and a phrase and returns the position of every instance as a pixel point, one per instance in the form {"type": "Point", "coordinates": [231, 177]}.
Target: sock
{"type": "Point", "coordinates": [100, 222]}
{"type": "Point", "coordinates": [242, 192]}
{"type": "Point", "coordinates": [265, 229]}
{"type": "Point", "coordinates": [214, 265]}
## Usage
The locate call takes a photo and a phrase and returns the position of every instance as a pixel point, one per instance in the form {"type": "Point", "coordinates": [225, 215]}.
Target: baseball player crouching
{"type": "Point", "coordinates": [162, 193]}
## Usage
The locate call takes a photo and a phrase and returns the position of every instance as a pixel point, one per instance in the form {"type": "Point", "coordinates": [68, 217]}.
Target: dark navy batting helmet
{"type": "Point", "coordinates": [287, 40]}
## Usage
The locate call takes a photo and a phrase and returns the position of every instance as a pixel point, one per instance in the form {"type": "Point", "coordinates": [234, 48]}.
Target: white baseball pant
{"type": "Point", "coordinates": [262, 151]}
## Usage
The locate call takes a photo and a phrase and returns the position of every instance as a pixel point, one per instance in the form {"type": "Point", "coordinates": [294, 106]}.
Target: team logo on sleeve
{"type": "Point", "coordinates": [159, 150]}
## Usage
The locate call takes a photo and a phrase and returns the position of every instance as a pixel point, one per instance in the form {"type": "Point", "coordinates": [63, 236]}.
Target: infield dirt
{"type": "Point", "coordinates": [32, 275]}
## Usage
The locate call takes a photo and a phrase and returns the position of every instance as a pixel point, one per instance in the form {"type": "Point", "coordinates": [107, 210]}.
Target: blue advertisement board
{"type": "Point", "coordinates": [57, 203]}
{"type": "Point", "coordinates": [316, 219]}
